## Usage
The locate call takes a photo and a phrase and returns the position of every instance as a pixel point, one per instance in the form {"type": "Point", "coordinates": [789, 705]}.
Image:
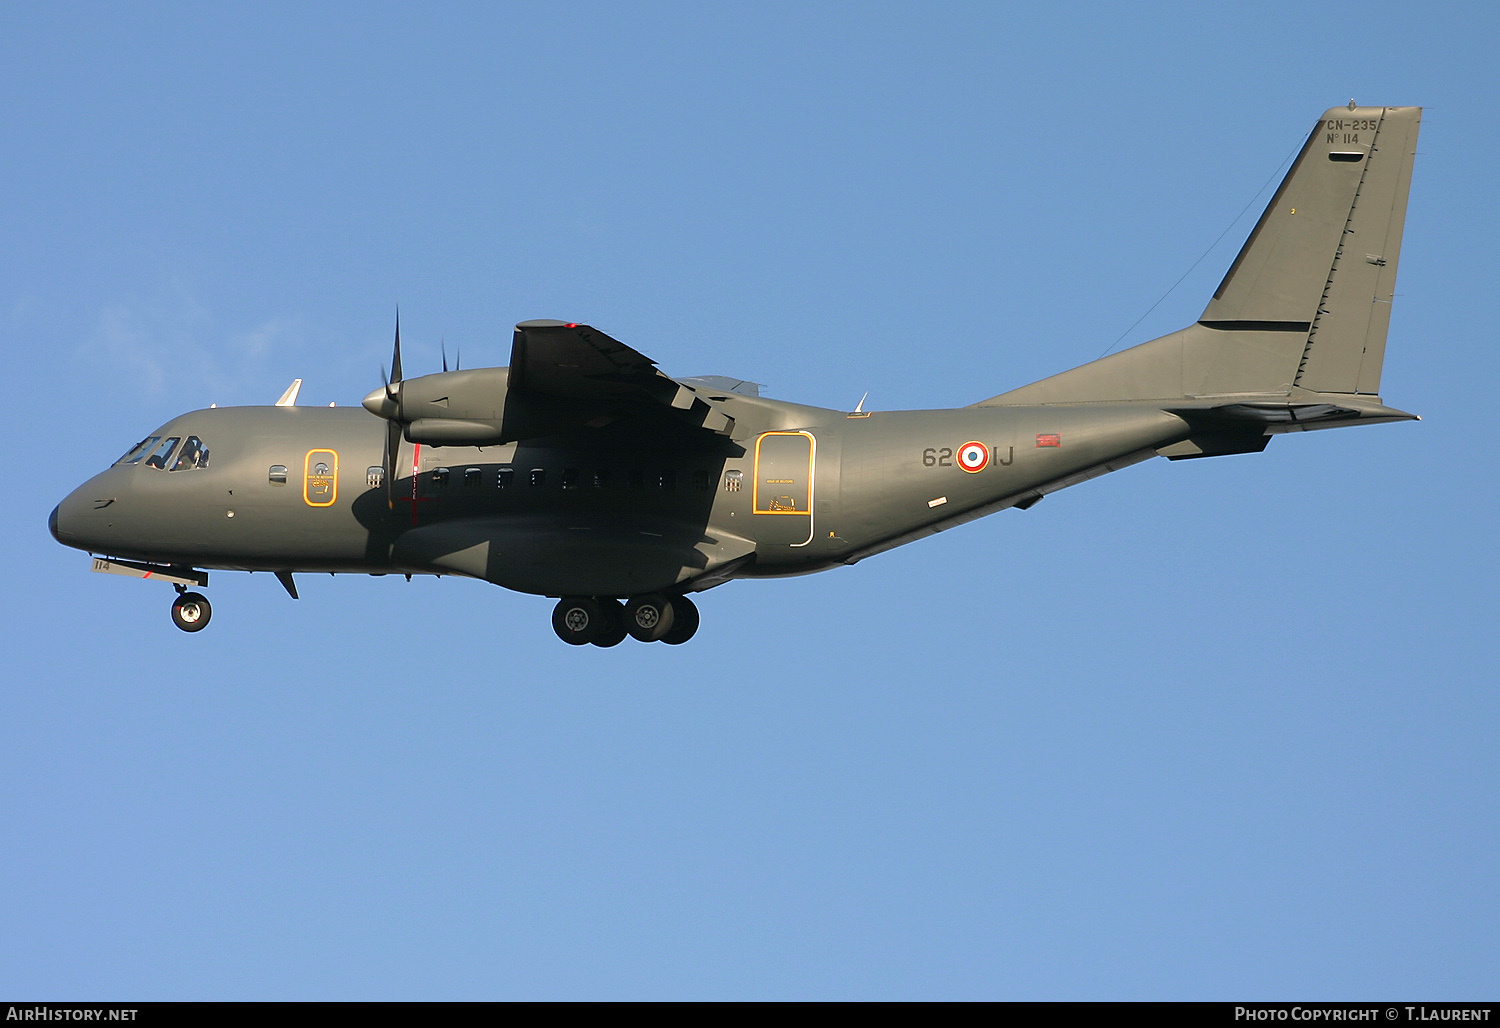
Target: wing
{"type": "Point", "coordinates": [578, 362]}
{"type": "Point", "coordinates": [569, 362]}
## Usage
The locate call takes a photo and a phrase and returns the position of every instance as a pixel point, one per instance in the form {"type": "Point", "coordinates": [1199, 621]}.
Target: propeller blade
{"type": "Point", "coordinates": [393, 425]}
{"type": "Point", "coordinates": [392, 452]}
{"type": "Point", "coordinates": [396, 353]}
{"type": "Point", "coordinates": [444, 345]}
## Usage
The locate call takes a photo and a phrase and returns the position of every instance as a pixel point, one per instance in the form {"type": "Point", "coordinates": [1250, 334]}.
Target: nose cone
{"type": "Point", "coordinates": [66, 521]}
{"type": "Point", "coordinates": [380, 403]}
{"type": "Point", "coordinates": [87, 517]}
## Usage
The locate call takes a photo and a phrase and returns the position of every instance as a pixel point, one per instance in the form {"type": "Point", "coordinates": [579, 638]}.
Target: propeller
{"type": "Point", "coordinates": [392, 425]}
{"type": "Point", "coordinates": [387, 402]}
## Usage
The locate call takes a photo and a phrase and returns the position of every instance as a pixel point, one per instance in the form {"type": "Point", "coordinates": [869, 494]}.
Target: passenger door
{"type": "Point", "coordinates": [782, 497]}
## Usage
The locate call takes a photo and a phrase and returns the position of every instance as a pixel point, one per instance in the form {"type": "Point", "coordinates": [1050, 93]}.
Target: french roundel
{"type": "Point", "coordinates": [973, 457]}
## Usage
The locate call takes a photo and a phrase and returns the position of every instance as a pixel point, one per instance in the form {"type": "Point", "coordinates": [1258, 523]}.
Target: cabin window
{"type": "Point", "coordinates": [702, 481]}
{"type": "Point", "coordinates": [570, 478]}
{"type": "Point", "coordinates": [538, 476]}
{"type": "Point", "coordinates": [440, 479]}
{"type": "Point", "coordinates": [158, 458]}
{"type": "Point", "coordinates": [194, 455]}
{"type": "Point", "coordinates": [277, 474]}
{"type": "Point", "coordinates": [139, 450]}
{"type": "Point", "coordinates": [601, 479]}
{"type": "Point", "coordinates": [504, 477]}
{"type": "Point", "coordinates": [472, 477]}
{"type": "Point", "coordinates": [374, 476]}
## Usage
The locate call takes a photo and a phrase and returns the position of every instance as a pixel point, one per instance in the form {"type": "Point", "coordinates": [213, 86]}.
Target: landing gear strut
{"type": "Point", "coordinates": [580, 620]}
{"type": "Point", "coordinates": [191, 611]}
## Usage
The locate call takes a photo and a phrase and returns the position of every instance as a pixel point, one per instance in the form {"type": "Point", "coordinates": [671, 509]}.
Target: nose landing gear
{"type": "Point", "coordinates": [579, 620]}
{"type": "Point", "coordinates": [191, 611]}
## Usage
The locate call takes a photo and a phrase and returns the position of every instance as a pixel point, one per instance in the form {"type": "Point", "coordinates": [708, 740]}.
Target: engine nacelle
{"type": "Point", "coordinates": [451, 408]}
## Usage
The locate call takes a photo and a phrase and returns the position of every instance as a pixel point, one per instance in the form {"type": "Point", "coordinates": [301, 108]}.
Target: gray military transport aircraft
{"type": "Point", "coordinates": [582, 472]}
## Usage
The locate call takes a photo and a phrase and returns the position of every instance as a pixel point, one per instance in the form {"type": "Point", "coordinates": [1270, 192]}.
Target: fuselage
{"type": "Point", "coordinates": [795, 489]}
{"type": "Point", "coordinates": [581, 470]}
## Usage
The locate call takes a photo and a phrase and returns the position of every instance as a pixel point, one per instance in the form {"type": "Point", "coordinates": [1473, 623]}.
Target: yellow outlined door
{"type": "Point", "coordinates": [783, 487]}
{"type": "Point", "coordinates": [320, 478]}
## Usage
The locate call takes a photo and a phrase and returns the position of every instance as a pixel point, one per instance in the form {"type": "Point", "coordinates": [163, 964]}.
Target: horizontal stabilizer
{"type": "Point", "coordinates": [1246, 426]}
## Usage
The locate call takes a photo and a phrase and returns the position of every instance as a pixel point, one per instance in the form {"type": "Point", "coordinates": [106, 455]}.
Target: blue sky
{"type": "Point", "coordinates": [1211, 729]}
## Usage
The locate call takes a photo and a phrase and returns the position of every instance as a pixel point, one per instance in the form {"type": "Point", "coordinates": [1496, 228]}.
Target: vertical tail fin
{"type": "Point", "coordinates": [1306, 304]}
{"type": "Point", "coordinates": [1322, 258]}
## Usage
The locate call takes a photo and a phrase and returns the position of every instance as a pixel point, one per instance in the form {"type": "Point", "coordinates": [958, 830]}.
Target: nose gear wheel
{"type": "Point", "coordinates": [191, 611]}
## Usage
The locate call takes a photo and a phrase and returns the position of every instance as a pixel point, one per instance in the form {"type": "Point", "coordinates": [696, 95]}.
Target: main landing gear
{"type": "Point", "coordinates": [191, 611]}
{"type": "Point", "coordinates": [605, 622]}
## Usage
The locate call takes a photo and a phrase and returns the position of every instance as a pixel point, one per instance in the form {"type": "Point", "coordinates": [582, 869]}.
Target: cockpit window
{"type": "Point", "coordinates": [139, 450]}
{"type": "Point", "coordinates": [158, 458]}
{"type": "Point", "coordinates": [194, 455]}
